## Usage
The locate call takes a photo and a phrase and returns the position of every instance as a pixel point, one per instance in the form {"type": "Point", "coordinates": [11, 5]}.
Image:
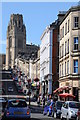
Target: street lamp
{"type": "Point", "coordinates": [36, 80]}
{"type": "Point", "coordinates": [29, 82]}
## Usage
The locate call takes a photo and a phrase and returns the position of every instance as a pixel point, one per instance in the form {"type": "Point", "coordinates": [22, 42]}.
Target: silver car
{"type": "Point", "coordinates": [69, 110]}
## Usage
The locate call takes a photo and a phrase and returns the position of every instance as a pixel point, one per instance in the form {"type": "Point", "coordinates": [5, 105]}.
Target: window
{"type": "Point", "coordinates": [68, 25]}
{"type": "Point", "coordinates": [17, 103]}
{"type": "Point", "coordinates": [10, 57]}
{"type": "Point", "coordinates": [10, 41]}
{"type": "Point", "coordinates": [19, 23]}
{"type": "Point", "coordinates": [65, 28]}
{"type": "Point", "coordinates": [76, 21]}
{"type": "Point", "coordinates": [62, 69]}
{"type": "Point", "coordinates": [68, 67]}
{"type": "Point", "coordinates": [75, 66]}
{"type": "Point", "coordinates": [68, 45]}
{"type": "Point", "coordinates": [75, 43]}
{"type": "Point", "coordinates": [63, 32]}
{"type": "Point", "coordinates": [62, 50]}
{"type": "Point", "coordinates": [65, 68]}
{"type": "Point", "coordinates": [65, 47]}
{"type": "Point", "coordinates": [20, 43]}
{"type": "Point", "coordinates": [15, 22]}
{"type": "Point", "coordinates": [11, 24]}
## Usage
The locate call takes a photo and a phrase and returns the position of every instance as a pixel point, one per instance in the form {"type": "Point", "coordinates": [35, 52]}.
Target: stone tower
{"type": "Point", "coordinates": [16, 39]}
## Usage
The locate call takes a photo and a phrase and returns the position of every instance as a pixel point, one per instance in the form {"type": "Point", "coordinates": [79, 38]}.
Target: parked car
{"type": "Point", "coordinates": [48, 109]}
{"type": "Point", "coordinates": [10, 89]}
{"type": "Point", "coordinates": [2, 91]}
{"type": "Point", "coordinates": [69, 110]}
{"type": "Point", "coordinates": [17, 108]}
{"type": "Point", "coordinates": [2, 104]}
{"type": "Point", "coordinates": [1, 110]}
{"type": "Point", "coordinates": [78, 114]}
{"type": "Point", "coordinates": [57, 108]}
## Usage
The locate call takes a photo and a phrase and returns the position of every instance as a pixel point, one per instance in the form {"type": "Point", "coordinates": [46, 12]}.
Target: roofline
{"type": "Point", "coordinates": [44, 32]}
{"type": "Point", "coordinates": [72, 9]}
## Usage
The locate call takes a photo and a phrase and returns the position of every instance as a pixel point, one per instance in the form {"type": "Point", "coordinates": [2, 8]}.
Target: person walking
{"type": "Point", "coordinates": [38, 101]}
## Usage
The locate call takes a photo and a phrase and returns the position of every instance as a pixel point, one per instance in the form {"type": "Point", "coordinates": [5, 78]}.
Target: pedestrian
{"type": "Point", "coordinates": [43, 101]}
{"type": "Point", "coordinates": [38, 101]}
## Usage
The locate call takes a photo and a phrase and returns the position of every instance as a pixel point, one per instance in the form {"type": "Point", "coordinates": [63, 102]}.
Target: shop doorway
{"type": "Point", "coordinates": [75, 93]}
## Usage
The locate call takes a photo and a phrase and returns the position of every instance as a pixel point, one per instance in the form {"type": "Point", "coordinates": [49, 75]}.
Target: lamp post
{"type": "Point", "coordinates": [29, 82]}
{"type": "Point", "coordinates": [36, 80]}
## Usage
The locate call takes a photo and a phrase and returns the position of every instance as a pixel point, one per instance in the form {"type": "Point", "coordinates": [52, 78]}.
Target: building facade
{"type": "Point", "coordinates": [28, 65]}
{"type": "Point", "coordinates": [69, 51]}
{"type": "Point", "coordinates": [16, 39]}
{"type": "Point", "coordinates": [49, 57]}
{"type": "Point", "coordinates": [25, 56]}
{"type": "Point", "coordinates": [46, 61]}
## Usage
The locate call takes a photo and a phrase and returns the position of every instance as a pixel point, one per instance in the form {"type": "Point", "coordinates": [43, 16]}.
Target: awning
{"type": "Point", "coordinates": [64, 95]}
{"type": "Point", "coordinates": [61, 89]}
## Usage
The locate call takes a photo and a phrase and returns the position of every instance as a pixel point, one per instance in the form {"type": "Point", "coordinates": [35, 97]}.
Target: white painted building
{"type": "Point", "coordinates": [46, 61]}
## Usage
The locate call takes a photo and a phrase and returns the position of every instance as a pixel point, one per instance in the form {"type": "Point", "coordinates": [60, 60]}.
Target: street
{"type": "Point", "coordinates": [39, 116]}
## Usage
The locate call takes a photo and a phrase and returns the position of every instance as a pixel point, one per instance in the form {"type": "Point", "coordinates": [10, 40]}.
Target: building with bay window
{"type": "Point", "coordinates": [69, 51]}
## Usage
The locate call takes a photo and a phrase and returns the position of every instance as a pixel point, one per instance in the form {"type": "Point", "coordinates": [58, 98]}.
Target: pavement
{"type": "Point", "coordinates": [35, 108]}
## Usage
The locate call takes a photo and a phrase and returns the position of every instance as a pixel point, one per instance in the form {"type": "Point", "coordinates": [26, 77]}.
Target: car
{"type": "Point", "coordinates": [2, 103]}
{"type": "Point", "coordinates": [2, 91]}
{"type": "Point", "coordinates": [69, 110]}
{"type": "Point", "coordinates": [48, 109]}
{"type": "Point", "coordinates": [78, 114]}
{"type": "Point", "coordinates": [17, 109]}
{"type": "Point", "coordinates": [2, 106]}
{"type": "Point", "coordinates": [10, 89]}
{"type": "Point", "coordinates": [57, 109]}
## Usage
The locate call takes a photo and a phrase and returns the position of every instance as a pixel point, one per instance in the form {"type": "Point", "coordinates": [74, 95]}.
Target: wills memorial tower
{"type": "Point", "coordinates": [16, 39]}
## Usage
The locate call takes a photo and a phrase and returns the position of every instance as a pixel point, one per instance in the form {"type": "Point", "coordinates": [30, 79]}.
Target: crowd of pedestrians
{"type": "Point", "coordinates": [42, 99]}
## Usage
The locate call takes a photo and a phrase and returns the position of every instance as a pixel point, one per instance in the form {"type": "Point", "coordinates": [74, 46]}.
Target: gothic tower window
{"type": "Point", "coordinates": [10, 41]}
{"type": "Point", "coordinates": [15, 22]}
{"type": "Point", "coordinates": [19, 23]}
{"type": "Point", "coordinates": [10, 58]}
{"type": "Point", "coordinates": [22, 28]}
{"type": "Point", "coordinates": [11, 24]}
{"type": "Point", "coordinates": [20, 43]}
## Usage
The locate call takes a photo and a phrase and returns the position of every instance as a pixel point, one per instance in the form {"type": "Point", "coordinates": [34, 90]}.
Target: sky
{"type": "Point", "coordinates": [36, 16]}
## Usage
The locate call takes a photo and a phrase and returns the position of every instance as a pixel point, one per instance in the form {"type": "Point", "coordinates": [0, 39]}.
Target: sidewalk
{"type": "Point", "coordinates": [34, 104]}
{"type": "Point", "coordinates": [35, 108]}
